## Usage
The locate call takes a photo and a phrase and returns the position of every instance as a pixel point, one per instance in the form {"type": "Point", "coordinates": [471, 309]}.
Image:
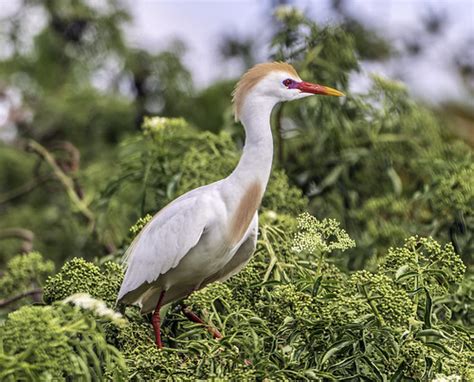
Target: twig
{"type": "Point", "coordinates": [13, 299]}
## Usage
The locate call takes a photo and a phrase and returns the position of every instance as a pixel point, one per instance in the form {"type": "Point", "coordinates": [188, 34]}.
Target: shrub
{"type": "Point", "coordinates": [59, 342]}
{"type": "Point", "coordinates": [23, 274]}
{"type": "Point", "coordinates": [79, 275]}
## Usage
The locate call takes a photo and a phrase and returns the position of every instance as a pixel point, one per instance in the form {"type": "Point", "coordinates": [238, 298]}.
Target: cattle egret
{"type": "Point", "coordinates": [210, 233]}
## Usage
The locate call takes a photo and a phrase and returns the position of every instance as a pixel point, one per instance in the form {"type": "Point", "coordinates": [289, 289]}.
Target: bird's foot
{"type": "Point", "coordinates": [195, 318]}
{"type": "Point", "coordinates": [215, 333]}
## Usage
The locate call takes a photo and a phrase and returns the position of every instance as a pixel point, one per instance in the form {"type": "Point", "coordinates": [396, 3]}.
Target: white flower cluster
{"type": "Point", "coordinates": [98, 307]}
{"type": "Point", "coordinates": [446, 378]}
{"type": "Point", "coordinates": [155, 123]}
{"type": "Point", "coordinates": [284, 12]}
{"type": "Point", "coordinates": [315, 236]}
{"type": "Point", "coordinates": [158, 124]}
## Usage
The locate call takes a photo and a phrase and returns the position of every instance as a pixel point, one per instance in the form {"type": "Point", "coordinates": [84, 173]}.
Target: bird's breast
{"type": "Point", "coordinates": [244, 211]}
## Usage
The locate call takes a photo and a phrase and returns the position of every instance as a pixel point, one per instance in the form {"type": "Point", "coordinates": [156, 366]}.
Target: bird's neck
{"type": "Point", "coordinates": [256, 161]}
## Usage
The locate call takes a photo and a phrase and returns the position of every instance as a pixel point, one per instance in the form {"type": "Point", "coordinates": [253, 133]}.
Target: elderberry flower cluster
{"type": "Point", "coordinates": [389, 303]}
{"type": "Point", "coordinates": [320, 236]}
{"type": "Point", "coordinates": [438, 265]}
{"type": "Point", "coordinates": [98, 307]}
{"type": "Point", "coordinates": [138, 226]}
{"type": "Point", "coordinates": [205, 298]}
{"type": "Point", "coordinates": [284, 13]}
{"type": "Point", "coordinates": [81, 276]}
{"type": "Point", "coordinates": [156, 125]}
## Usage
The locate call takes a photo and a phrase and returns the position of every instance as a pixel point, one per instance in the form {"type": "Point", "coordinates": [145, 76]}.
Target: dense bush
{"type": "Point", "coordinates": [290, 314]}
{"type": "Point", "coordinates": [295, 312]}
{"type": "Point", "coordinates": [81, 276]}
{"type": "Point", "coordinates": [23, 277]}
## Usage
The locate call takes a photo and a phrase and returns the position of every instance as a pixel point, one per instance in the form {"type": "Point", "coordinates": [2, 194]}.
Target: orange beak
{"type": "Point", "coordinates": [308, 87]}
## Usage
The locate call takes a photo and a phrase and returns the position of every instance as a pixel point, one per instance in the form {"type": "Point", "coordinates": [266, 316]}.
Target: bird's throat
{"type": "Point", "coordinates": [256, 161]}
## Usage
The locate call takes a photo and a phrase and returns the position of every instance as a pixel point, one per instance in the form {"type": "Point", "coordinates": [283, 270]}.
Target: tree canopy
{"type": "Point", "coordinates": [363, 268]}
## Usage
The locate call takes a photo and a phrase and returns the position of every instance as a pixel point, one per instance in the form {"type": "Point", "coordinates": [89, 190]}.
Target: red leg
{"type": "Point", "coordinates": [195, 318]}
{"type": "Point", "coordinates": [155, 321]}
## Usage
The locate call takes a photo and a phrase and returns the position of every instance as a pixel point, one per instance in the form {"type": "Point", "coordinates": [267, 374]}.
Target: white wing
{"type": "Point", "coordinates": [164, 242]}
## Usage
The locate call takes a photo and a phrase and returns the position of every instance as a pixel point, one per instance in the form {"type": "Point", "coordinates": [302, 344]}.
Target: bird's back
{"type": "Point", "coordinates": [174, 247]}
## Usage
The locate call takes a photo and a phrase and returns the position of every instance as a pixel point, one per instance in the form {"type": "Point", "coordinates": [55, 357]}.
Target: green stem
{"type": "Point", "coordinates": [271, 252]}
{"type": "Point", "coordinates": [418, 283]}
{"type": "Point", "coordinates": [373, 307]}
{"type": "Point", "coordinates": [320, 264]}
{"type": "Point", "coordinates": [65, 180]}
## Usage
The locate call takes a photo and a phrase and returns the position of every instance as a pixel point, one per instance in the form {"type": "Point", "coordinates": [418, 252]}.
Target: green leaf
{"type": "Point", "coordinates": [374, 368]}
{"type": "Point", "coordinates": [331, 178]}
{"type": "Point", "coordinates": [396, 181]}
{"type": "Point", "coordinates": [431, 333]}
{"type": "Point", "coordinates": [398, 375]}
{"type": "Point", "coordinates": [439, 347]}
{"type": "Point", "coordinates": [428, 309]}
{"type": "Point", "coordinates": [338, 346]}
{"type": "Point", "coordinates": [405, 275]}
{"type": "Point", "coordinates": [316, 286]}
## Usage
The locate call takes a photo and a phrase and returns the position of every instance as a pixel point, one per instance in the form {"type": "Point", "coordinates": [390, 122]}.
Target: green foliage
{"type": "Point", "coordinates": [210, 105]}
{"type": "Point", "coordinates": [24, 275]}
{"type": "Point", "coordinates": [24, 272]}
{"type": "Point", "coordinates": [423, 262]}
{"type": "Point", "coordinates": [74, 82]}
{"type": "Point", "coordinates": [320, 237]}
{"type": "Point", "coordinates": [379, 162]}
{"type": "Point", "coordinates": [282, 196]}
{"type": "Point", "coordinates": [59, 342]}
{"type": "Point", "coordinates": [15, 169]}
{"type": "Point", "coordinates": [289, 314]}
{"type": "Point", "coordinates": [312, 321]}
{"type": "Point", "coordinates": [454, 191]}
{"type": "Point", "coordinates": [81, 276]}
{"type": "Point", "coordinates": [386, 219]}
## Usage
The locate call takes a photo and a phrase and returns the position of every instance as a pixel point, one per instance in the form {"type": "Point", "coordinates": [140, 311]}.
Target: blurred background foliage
{"type": "Point", "coordinates": [381, 163]}
{"type": "Point", "coordinates": [80, 163]}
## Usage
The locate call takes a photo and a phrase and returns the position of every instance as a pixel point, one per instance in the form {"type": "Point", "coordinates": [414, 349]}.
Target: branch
{"type": "Point", "coordinates": [72, 165]}
{"type": "Point", "coordinates": [25, 235]}
{"type": "Point", "coordinates": [72, 187]}
{"type": "Point", "coordinates": [23, 189]}
{"type": "Point", "coordinates": [13, 299]}
{"type": "Point", "coordinates": [66, 181]}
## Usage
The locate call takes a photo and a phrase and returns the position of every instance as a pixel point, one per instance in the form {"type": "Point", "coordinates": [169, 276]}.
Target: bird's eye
{"type": "Point", "coordinates": [287, 82]}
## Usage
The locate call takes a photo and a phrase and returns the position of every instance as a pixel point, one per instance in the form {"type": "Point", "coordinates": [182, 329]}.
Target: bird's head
{"type": "Point", "coordinates": [274, 82]}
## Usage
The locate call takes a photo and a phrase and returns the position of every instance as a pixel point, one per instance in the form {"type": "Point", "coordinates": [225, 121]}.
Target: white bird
{"type": "Point", "coordinates": [210, 233]}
